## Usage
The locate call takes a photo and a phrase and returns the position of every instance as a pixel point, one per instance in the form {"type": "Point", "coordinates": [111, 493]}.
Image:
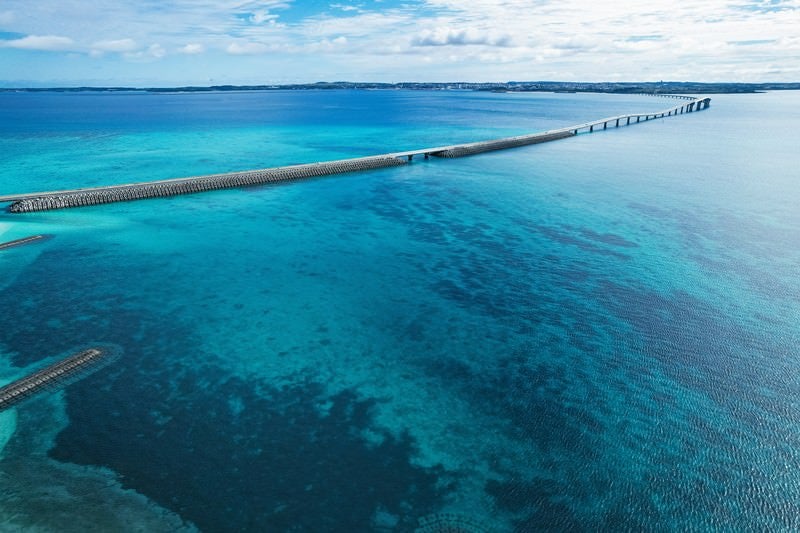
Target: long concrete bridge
{"type": "Point", "coordinates": [43, 201]}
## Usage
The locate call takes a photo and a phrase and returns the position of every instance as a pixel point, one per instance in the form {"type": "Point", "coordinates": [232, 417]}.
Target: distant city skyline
{"type": "Point", "coordinates": [214, 42]}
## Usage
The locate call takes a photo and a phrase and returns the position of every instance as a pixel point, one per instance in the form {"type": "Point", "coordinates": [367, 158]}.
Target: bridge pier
{"type": "Point", "coordinates": [591, 128]}
{"type": "Point", "coordinates": [617, 123]}
{"type": "Point", "coordinates": [605, 125]}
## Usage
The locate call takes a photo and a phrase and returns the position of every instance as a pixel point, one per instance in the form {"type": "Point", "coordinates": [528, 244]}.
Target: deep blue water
{"type": "Point", "coordinates": [597, 333]}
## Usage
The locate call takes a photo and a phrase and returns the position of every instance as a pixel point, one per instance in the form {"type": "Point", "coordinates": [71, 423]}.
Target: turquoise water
{"type": "Point", "coordinates": [594, 333]}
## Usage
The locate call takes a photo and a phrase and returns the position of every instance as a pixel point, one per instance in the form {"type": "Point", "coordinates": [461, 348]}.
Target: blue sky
{"type": "Point", "coordinates": [202, 42]}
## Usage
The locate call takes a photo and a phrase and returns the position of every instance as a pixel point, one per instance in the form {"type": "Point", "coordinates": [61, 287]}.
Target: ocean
{"type": "Point", "coordinates": [597, 333]}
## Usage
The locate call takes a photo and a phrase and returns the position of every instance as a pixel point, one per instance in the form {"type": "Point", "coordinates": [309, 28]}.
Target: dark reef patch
{"type": "Point", "coordinates": [233, 459]}
{"type": "Point", "coordinates": [694, 341]}
{"type": "Point", "coordinates": [54, 306]}
{"type": "Point", "coordinates": [607, 238]}
{"type": "Point", "coordinates": [698, 346]}
{"type": "Point", "coordinates": [541, 499]}
{"type": "Point", "coordinates": [224, 453]}
{"type": "Point", "coordinates": [563, 237]}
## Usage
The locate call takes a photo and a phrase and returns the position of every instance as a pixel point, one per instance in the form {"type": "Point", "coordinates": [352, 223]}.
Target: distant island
{"type": "Point", "coordinates": [663, 87]}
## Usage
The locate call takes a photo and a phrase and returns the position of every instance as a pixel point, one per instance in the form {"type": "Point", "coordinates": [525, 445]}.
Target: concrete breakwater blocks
{"type": "Point", "coordinates": [22, 242]}
{"type": "Point", "coordinates": [44, 201]}
{"type": "Point", "coordinates": [122, 193]}
{"type": "Point", "coordinates": [59, 374]}
{"type": "Point", "coordinates": [501, 144]}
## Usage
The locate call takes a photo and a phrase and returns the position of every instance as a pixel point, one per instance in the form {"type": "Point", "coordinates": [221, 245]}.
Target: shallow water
{"type": "Point", "coordinates": [594, 333]}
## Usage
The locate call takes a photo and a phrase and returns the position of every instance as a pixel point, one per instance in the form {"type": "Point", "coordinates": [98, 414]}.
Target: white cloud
{"type": "Point", "coordinates": [128, 49]}
{"type": "Point", "coordinates": [345, 7]}
{"type": "Point", "coordinates": [440, 39]}
{"type": "Point", "coordinates": [327, 45]}
{"type": "Point", "coordinates": [50, 43]}
{"type": "Point", "coordinates": [262, 16]}
{"type": "Point", "coordinates": [151, 53]}
{"type": "Point", "coordinates": [156, 51]}
{"type": "Point", "coordinates": [246, 48]}
{"type": "Point", "coordinates": [192, 49]}
{"type": "Point", "coordinates": [116, 45]}
{"type": "Point", "coordinates": [449, 36]}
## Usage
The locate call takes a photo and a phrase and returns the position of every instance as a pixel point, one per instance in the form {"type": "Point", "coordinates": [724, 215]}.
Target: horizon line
{"type": "Point", "coordinates": [519, 85]}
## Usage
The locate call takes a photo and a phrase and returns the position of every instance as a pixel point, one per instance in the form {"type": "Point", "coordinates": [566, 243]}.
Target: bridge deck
{"type": "Point", "coordinates": [170, 187]}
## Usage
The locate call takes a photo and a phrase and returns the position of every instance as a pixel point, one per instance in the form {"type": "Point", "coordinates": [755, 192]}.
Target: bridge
{"type": "Point", "coordinates": [43, 201]}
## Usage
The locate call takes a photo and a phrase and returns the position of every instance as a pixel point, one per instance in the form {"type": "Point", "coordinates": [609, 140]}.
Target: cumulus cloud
{"type": "Point", "coordinates": [445, 36]}
{"type": "Point", "coordinates": [478, 39]}
{"type": "Point", "coordinates": [156, 51]}
{"type": "Point", "coordinates": [345, 7]}
{"type": "Point", "coordinates": [49, 43]}
{"type": "Point", "coordinates": [575, 43]}
{"type": "Point", "coordinates": [262, 12]}
{"type": "Point", "coordinates": [127, 48]}
{"type": "Point", "coordinates": [116, 45]}
{"type": "Point", "coordinates": [192, 49]}
{"type": "Point", "coordinates": [262, 16]}
{"type": "Point", "coordinates": [144, 55]}
{"type": "Point", "coordinates": [246, 48]}
{"type": "Point", "coordinates": [327, 45]}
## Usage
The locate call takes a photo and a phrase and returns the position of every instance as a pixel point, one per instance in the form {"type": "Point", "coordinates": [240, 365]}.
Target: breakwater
{"type": "Point", "coordinates": [22, 242]}
{"type": "Point", "coordinates": [500, 144]}
{"type": "Point", "coordinates": [44, 201]}
{"type": "Point", "coordinates": [156, 189]}
{"type": "Point", "coordinates": [59, 374]}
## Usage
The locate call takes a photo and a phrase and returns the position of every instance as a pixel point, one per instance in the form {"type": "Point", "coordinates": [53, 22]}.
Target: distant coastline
{"type": "Point", "coordinates": [669, 87]}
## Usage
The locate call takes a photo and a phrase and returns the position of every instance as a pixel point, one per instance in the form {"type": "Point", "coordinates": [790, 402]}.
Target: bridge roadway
{"type": "Point", "coordinates": [41, 201]}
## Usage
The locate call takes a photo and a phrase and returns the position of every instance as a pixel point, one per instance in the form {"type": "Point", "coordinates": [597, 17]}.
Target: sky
{"type": "Point", "coordinates": [144, 43]}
